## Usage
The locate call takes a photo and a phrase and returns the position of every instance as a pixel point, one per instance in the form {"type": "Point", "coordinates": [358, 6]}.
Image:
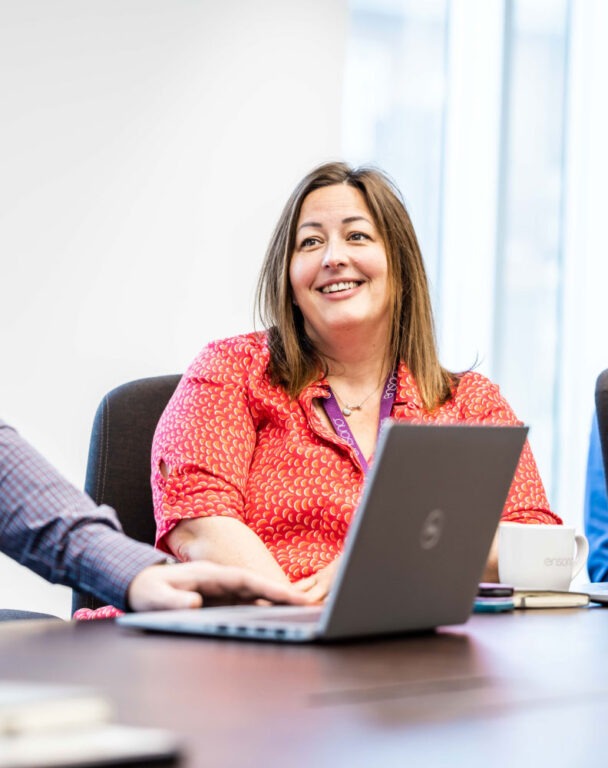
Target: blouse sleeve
{"type": "Point", "coordinates": [204, 442]}
{"type": "Point", "coordinates": [481, 402]}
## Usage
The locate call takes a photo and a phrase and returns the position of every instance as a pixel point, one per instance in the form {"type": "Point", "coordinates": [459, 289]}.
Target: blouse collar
{"type": "Point", "coordinates": [407, 390]}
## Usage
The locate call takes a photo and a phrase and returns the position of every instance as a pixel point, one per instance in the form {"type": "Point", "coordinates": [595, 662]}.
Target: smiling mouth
{"type": "Point", "coordinates": [337, 287]}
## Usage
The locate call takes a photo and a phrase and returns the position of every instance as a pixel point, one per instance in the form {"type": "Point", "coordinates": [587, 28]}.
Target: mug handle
{"type": "Point", "coordinates": [582, 550]}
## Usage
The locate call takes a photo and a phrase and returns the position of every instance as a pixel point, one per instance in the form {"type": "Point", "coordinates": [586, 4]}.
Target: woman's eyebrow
{"type": "Point", "coordinates": [315, 224]}
{"type": "Point", "coordinates": [350, 219]}
{"type": "Point", "coordinates": [318, 225]}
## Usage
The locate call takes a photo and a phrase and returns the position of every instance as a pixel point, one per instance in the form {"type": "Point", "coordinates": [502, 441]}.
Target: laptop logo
{"type": "Point", "coordinates": [432, 528]}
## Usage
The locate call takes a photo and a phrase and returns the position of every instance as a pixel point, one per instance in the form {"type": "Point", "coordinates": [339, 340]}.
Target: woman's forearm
{"type": "Point", "coordinates": [226, 541]}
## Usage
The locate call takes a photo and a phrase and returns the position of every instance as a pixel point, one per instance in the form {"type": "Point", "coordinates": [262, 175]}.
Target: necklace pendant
{"type": "Point", "coordinates": [346, 411]}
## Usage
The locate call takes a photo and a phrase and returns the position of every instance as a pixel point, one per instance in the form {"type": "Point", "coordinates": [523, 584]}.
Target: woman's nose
{"type": "Point", "coordinates": [334, 255]}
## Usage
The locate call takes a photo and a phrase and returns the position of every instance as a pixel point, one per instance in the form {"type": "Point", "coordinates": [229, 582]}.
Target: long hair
{"type": "Point", "coordinates": [294, 361]}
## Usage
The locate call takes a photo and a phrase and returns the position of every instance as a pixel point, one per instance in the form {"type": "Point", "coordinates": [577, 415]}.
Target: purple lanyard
{"type": "Point", "coordinates": [340, 425]}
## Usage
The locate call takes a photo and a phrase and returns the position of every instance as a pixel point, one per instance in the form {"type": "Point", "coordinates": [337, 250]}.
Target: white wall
{"type": "Point", "coordinates": [146, 149]}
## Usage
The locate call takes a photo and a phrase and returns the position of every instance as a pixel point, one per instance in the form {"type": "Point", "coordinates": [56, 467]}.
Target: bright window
{"type": "Point", "coordinates": [465, 104]}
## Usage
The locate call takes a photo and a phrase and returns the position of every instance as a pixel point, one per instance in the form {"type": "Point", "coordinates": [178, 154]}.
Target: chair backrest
{"type": "Point", "coordinates": [118, 468]}
{"type": "Point", "coordinates": [601, 407]}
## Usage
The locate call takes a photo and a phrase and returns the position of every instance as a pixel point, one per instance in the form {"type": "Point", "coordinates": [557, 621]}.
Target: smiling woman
{"type": "Point", "coordinates": [260, 457]}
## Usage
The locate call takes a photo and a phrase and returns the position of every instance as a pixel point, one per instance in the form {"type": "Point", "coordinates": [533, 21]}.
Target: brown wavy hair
{"type": "Point", "coordinates": [294, 361]}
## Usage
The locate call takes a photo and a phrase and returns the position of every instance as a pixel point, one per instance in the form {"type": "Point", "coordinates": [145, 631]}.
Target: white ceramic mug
{"type": "Point", "coordinates": [532, 556]}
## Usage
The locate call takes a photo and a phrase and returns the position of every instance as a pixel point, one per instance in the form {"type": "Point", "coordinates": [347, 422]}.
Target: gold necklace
{"type": "Point", "coordinates": [348, 409]}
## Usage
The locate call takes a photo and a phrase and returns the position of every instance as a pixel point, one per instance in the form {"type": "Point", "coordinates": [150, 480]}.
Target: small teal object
{"type": "Point", "coordinates": [493, 604]}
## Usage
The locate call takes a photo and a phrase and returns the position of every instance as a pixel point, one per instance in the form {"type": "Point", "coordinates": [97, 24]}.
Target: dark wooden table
{"type": "Point", "coordinates": [522, 689]}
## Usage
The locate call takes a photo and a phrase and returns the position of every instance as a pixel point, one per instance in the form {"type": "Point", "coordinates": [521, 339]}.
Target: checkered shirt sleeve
{"type": "Point", "coordinates": [56, 530]}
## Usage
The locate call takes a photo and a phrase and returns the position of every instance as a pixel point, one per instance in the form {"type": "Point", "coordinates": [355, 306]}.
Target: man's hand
{"type": "Point", "coordinates": [190, 585]}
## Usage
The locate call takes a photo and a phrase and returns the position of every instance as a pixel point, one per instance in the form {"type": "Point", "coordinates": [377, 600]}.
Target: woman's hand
{"type": "Point", "coordinates": [317, 587]}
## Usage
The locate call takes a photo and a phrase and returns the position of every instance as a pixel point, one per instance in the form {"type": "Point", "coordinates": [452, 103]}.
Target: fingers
{"type": "Point", "coordinates": [249, 586]}
{"type": "Point", "coordinates": [318, 592]}
{"type": "Point", "coordinates": [305, 585]}
{"type": "Point", "coordinates": [228, 584]}
{"type": "Point", "coordinates": [153, 589]}
{"type": "Point", "coordinates": [188, 585]}
{"type": "Point", "coordinates": [316, 588]}
{"type": "Point", "coordinates": [170, 598]}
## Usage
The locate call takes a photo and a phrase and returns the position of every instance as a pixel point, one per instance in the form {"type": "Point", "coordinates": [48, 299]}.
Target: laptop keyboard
{"type": "Point", "coordinates": [306, 617]}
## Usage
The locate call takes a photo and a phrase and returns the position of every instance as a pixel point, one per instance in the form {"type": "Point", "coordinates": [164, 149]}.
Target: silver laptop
{"type": "Point", "coordinates": [414, 553]}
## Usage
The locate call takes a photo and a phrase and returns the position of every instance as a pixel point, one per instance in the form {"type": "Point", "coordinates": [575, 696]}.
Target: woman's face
{"type": "Point", "coordinates": [339, 268]}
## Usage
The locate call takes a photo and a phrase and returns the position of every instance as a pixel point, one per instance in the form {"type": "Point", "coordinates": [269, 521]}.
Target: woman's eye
{"type": "Point", "coordinates": [358, 236]}
{"type": "Point", "coordinates": [308, 242]}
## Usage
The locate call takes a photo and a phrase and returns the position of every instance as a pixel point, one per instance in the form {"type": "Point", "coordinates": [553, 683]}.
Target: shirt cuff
{"type": "Point", "coordinates": [109, 562]}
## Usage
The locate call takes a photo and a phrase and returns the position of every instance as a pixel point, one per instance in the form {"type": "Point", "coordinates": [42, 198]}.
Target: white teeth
{"type": "Point", "coordinates": [334, 287]}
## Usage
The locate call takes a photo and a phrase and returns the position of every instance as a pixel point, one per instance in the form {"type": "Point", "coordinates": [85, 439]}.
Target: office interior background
{"type": "Point", "coordinates": [148, 147]}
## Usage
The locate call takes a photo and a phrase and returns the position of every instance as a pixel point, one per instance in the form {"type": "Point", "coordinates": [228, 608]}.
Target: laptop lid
{"type": "Point", "coordinates": [418, 546]}
{"type": "Point", "coordinates": [415, 551]}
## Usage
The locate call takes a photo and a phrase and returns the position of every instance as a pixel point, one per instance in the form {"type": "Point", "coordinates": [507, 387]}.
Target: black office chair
{"type": "Point", "coordinates": [118, 468]}
{"type": "Point", "coordinates": [601, 407]}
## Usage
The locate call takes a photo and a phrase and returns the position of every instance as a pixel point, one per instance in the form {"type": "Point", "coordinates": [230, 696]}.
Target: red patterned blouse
{"type": "Point", "coordinates": [235, 445]}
